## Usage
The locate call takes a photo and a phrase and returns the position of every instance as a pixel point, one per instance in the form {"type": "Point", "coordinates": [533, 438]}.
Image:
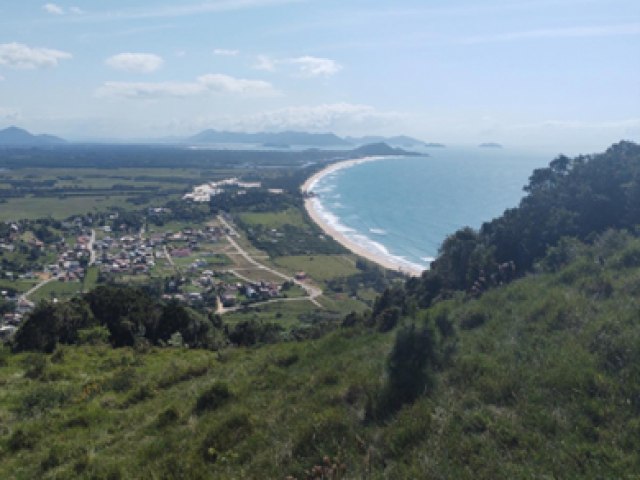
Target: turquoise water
{"type": "Point", "coordinates": [404, 207]}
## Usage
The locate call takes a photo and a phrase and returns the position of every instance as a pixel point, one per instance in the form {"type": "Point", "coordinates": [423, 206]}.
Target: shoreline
{"type": "Point", "coordinates": [313, 207]}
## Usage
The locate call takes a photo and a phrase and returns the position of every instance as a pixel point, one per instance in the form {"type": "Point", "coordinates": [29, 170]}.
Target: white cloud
{"type": "Point", "coordinates": [135, 62]}
{"type": "Point", "coordinates": [316, 67]}
{"type": "Point", "coordinates": [53, 9]}
{"type": "Point", "coordinates": [265, 63]}
{"type": "Point", "coordinates": [223, 52]}
{"type": "Point", "coordinates": [210, 83]}
{"type": "Point", "coordinates": [149, 89]}
{"type": "Point", "coordinates": [307, 66]}
{"type": "Point", "coordinates": [225, 83]}
{"type": "Point", "coordinates": [1, 78]}
{"type": "Point", "coordinates": [76, 11]}
{"type": "Point", "coordinates": [20, 56]}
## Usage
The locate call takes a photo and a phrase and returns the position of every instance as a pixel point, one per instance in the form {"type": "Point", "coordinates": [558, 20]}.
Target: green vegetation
{"type": "Point", "coordinates": [546, 384]}
{"type": "Point", "coordinates": [320, 267]}
{"type": "Point", "coordinates": [273, 219]}
{"type": "Point", "coordinates": [517, 356]}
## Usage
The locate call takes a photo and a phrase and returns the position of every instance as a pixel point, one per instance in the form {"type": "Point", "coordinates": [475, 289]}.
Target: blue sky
{"type": "Point", "coordinates": [563, 74]}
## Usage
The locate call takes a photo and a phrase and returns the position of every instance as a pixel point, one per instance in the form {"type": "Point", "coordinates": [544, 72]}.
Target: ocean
{"type": "Point", "coordinates": [404, 207]}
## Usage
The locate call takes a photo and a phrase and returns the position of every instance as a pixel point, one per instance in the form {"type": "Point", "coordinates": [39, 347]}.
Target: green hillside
{"type": "Point", "coordinates": [542, 379]}
{"type": "Point", "coordinates": [515, 357]}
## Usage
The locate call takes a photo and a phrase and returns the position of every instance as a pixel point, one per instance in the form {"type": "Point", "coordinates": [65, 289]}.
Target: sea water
{"type": "Point", "coordinates": [404, 207]}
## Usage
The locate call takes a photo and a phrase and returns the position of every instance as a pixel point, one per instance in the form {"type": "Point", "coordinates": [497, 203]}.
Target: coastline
{"type": "Point", "coordinates": [314, 209]}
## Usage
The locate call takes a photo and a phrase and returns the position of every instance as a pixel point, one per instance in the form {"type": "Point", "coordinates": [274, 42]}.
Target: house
{"type": "Point", "coordinates": [228, 300]}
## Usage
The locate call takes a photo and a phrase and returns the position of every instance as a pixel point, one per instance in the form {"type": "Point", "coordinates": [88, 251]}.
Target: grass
{"type": "Point", "coordinates": [543, 382]}
{"type": "Point", "coordinates": [320, 267]}
{"type": "Point", "coordinates": [58, 208]}
{"type": "Point", "coordinates": [274, 219]}
{"type": "Point", "coordinates": [18, 285]}
{"type": "Point", "coordinates": [57, 289]}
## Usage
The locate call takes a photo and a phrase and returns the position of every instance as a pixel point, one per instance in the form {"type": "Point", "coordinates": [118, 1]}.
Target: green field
{"type": "Point", "coordinates": [57, 289]}
{"type": "Point", "coordinates": [59, 208]}
{"type": "Point", "coordinates": [320, 267]}
{"type": "Point", "coordinates": [274, 219]}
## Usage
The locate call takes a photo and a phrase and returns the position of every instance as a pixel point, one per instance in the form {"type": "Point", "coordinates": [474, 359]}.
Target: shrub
{"type": "Point", "coordinates": [93, 336]}
{"type": "Point", "coordinates": [213, 397]}
{"type": "Point", "coordinates": [408, 369]}
{"type": "Point", "coordinates": [226, 435]}
{"type": "Point", "coordinates": [43, 398]}
{"type": "Point", "coordinates": [168, 416]}
{"type": "Point", "coordinates": [472, 319]}
{"type": "Point", "coordinates": [22, 440]}
{"type": "Point", "coordinates": [36, 366]}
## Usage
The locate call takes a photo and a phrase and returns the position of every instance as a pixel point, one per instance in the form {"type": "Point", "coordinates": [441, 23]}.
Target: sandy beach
{"type": "Point", "coordinates": [312, 205]}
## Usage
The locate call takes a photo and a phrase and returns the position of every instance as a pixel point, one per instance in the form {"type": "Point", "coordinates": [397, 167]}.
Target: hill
{"type": "Point", "coordinates": [379, 149]}
{"type": "Point", "coordinates": [536, 378]}
{"type": "Point", "coordinates": [397, 141]}
{"type": "Point", "coordinates": [516, 356]}
{"type": "Point", "coordinates": [14, 136]}
{"type": "Point", "coordinates": [281, 138]}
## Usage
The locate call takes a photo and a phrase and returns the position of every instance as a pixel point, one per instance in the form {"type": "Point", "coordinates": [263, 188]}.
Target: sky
{"type": "Point", "coordinates": [563, 74]}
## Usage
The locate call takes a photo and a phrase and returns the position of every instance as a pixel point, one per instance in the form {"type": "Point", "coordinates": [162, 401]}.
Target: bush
{"type": "Point", "coordinates": [226, 435]}
{"type": "Point", "coordinates": [22, 440]}
{"type": "Point", "coordinates": [168, 416]}
{"type": "Point", "coordinates": [472, 319]}
{"type": "Point", "coordinates": [43, 398]}
{"type": "Point", "coordinates": [93, 336]}
{"type": "Point", "coordinates": [213, 397]}
{"type": "Point", "coordinates": [408, 369]}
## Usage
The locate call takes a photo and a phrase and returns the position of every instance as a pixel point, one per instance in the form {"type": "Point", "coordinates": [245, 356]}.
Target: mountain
{"type": "Point", "coordinates": [280, 138]}
{"type": "Point", "coordinates": [490, 145]}
{"type": "Point", "coordinates": [14, 136]}
{"type": "Point", "coordinates": [397, 141]}
{"type": "Point", "coordinates": [380, 149]}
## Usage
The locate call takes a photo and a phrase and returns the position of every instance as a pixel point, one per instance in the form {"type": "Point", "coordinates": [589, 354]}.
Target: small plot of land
{"type": "Point", "coordinates": [257, 275]}
{"type": "Point", "coordinates": [285, 313]}
{"type": "Point", "coordinates": [59, 208]}
{"type": "Point", "coordinates": [320, 267]}
{"type": "Point", "coordinates": [273, 219]}
{"type": "Point", "coordinates": [57, 289]}
{"type": "Point", "coordinates": [19, 286]}
{"type": "Point", "coordinates": [341, 303]}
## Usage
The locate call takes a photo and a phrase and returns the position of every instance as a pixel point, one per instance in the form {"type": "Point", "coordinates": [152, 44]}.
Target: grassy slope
{"type": "Point", "coordinates": [545, 383]}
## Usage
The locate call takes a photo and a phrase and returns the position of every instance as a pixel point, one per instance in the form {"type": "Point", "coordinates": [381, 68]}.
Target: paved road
{"type": "Point", "coordinates": [312, 292]}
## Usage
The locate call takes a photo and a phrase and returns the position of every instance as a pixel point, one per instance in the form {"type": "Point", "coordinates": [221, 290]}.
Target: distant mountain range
{"type": "Point", "coordinates": [397, 141]}
{"type": "Point", "coordinates": [299, 138]}
{"type": "Point", "coordinates": [17, 137]}
{"type": "Point", "coordinates": [381, 149]}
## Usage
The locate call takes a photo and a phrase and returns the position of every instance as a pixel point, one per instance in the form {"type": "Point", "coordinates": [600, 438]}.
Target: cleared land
{"type": "Point", "coordinates": [320, 267]}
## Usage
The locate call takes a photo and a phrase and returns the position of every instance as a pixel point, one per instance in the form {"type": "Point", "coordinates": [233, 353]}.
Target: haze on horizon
{"type": "Point", "coordinates": [518, 72]}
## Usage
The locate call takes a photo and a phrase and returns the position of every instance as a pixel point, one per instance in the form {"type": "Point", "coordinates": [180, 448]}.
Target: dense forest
{"type": "Point", "coordinates": [579, 198]}
{"type": "Point", "coordinates": [516, 356]}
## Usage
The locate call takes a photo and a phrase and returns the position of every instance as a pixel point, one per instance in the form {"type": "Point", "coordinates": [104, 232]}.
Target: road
{"type": "Point", "coordinates": [167, 255]}
{"type": "Point", "coordinates": [92, 252]}
{"type": "Point", "coordinates": [29, 292]}
{"type": "Point", "coordinates": [312, 292]}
